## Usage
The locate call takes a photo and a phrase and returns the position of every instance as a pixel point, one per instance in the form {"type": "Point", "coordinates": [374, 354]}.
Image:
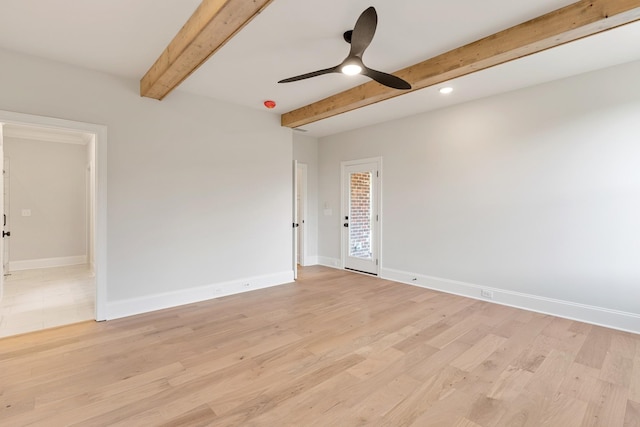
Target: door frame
{"type": "Point", "coordinates": [377, 225]}
{"type": "Point", "coordinates": [99, 138]}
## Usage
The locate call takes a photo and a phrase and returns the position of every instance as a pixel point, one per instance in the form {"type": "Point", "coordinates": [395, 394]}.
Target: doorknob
{"type": "Point", "coordinates": [6, 233]}
{"type": "Point", "coordinates": [346, 224]}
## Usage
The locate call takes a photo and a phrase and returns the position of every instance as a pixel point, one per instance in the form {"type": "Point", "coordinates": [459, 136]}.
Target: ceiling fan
{"type": "Point", "coordinates": [359, 38]}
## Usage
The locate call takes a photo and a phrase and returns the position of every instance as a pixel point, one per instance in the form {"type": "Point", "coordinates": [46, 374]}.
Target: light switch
{"type": "Point", "coordinates": [26, 212]}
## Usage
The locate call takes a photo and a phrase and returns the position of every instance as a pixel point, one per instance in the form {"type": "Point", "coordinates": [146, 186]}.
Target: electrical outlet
{"type": "Point", "coordinates": [486, 293]}
{"type": "Point", "coordinates": [247, 285]}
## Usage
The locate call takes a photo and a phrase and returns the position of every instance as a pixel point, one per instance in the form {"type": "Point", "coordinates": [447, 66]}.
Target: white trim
{"type": "Point", "coordinates": [100, 225]}
{"type": "Point", "coordinates": [49, 135]}
{"type": "Point", "coordinates": [31, 264]}
{"type": "Point", "coordinates": [329, 262]}
{"type": "Point", "coordinates": [621, 320]}
{"type": "Point", "coordinates": [133, 306]}
{"type": "Point", "coordinates": [312, 260]}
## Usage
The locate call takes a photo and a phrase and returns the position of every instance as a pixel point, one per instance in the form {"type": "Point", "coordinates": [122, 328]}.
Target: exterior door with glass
{"type": "Point", "coordinates": [360, 216]}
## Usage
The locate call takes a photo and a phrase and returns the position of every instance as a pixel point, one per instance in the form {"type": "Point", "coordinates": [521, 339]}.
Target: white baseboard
{"type": "Point", "coordinates": [311, 260]}
{"type": "Point", "coordinates": [30, 264]}
{"type": "Point", "coordinates": [130, 307]}
{"type": "Point", "coordinates": [329, 262]}
{"type": "Point", "coordinates": [624, 321]}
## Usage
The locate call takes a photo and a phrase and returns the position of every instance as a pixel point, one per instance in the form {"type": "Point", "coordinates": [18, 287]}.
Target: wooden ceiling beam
{"type": "Point", "coordinates": [581, 19]}
{"type": "Point", "coordinates": [212, 24]}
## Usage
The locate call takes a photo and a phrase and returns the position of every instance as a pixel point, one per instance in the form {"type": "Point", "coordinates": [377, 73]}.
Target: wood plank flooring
{"type": "Point", "coordinates": [334, 349]}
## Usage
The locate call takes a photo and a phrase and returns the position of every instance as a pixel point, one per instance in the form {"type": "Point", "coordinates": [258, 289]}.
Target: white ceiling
{"type": "Point", "coordinates": [291, 37]}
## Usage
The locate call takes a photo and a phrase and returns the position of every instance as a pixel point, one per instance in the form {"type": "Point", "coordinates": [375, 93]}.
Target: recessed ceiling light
{"type": "Point", "coordinates": [446, 90]}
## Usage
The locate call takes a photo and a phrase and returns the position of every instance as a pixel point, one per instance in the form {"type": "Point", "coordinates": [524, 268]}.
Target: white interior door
{"type": "Point", "coordinates": [294, 234]}
{"type": "Point", "coordinates": [6, 219]}
{"type": "Point", "coordinates": [2, 210]}
{"type": "Point", "coordinates": [360, 216]}
{"type": "Point", "coordinates": [302, 203]}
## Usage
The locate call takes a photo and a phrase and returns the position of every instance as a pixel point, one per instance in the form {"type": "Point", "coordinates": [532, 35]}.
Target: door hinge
{"type": "Point", "coordinates": [377, 174]}
{"type": "Point", "coordinates": [376, 262]}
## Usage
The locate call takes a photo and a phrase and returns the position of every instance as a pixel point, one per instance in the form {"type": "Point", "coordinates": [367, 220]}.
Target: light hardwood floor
{"type": "Point", "coordinates": [334, 349]}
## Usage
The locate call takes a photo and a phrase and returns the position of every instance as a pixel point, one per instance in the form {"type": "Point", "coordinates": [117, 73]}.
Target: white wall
{"type": "Point", "coordinates": [199, 191]}
{"type": "Point", "coordinates": [49, 180]}
{"type": "Point", "coordinates": [305, 150]}
{"type": "Point", "coordinates": [534, 193]}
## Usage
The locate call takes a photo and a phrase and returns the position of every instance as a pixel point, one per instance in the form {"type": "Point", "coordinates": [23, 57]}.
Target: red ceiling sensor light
{"type": "Point", "coordinates": [270, 104]}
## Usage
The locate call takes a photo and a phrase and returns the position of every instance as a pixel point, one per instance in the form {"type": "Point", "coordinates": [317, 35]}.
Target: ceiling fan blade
{"type": "Point", "coordinates": [309, 75]}
{"type": "Point", "coordinates": [386, 79]}
{"type": "Point", "coordinates": [363, 31]}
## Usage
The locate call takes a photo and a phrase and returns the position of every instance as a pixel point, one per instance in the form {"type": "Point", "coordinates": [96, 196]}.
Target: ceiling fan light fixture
{"type": "Point", "coordinates": [359, 38]}
{"type": "Point", "coordinates": [351, 69]}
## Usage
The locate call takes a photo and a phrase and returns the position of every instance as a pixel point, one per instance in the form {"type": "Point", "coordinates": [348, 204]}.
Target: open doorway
{"type": "Point", "coordinates": [48, 199]}
{"type": "Point", "coordinates": [54, 267]}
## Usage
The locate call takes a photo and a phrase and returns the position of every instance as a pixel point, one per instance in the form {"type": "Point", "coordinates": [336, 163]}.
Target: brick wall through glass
{"type": "Point", "coordinates": [360, 215]}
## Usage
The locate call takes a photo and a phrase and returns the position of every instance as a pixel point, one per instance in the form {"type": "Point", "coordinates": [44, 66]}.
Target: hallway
{"type": "Point", "coordinates": [46, 298]}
